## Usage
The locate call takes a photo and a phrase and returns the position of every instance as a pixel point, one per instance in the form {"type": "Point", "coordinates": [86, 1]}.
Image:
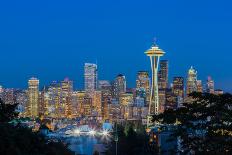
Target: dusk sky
{"type": "Point", "coordinates": [52, 40]}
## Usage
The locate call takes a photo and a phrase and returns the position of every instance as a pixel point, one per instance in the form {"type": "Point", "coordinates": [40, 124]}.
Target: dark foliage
{"type": "Point", "coordinates": [131, 142]}
{"type": "Point", "coordinates": [18, 140]}
{"type": "Point", "coordinates": [204, 125]}
{"type": "Point", "coordinates": [7, 112]}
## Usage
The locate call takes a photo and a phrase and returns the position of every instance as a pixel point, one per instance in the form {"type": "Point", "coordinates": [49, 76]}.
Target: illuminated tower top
{"type": "Point", "coordinates": [154, 51]}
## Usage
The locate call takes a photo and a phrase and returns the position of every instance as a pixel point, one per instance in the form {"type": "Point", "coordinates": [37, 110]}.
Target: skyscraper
{"type": "Point", "coordinates": [143, 85]}
{"type": "Point", "coordinates": [163, 74]}
{"type": "Point", "coordinates": [154, 53]}
{"type": "Point", "coordinates": [178, 87]}
{"type": "Point", "coordinates": [210, 85]}
{"type": "Point", "coordinates": [67, 90]}
{"type": "Point", "coordinates": [32, 109]}
{"type": "Point", "coordinates": [119, 86]}
{"type": "Point", "coordinates": [199, 86]}
{"type": "Point", "coordinates": [191, 81]}
{"type": "Point", "coordinates": [91, 77]}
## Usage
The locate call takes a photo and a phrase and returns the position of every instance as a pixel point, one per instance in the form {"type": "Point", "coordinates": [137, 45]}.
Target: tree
{"type": "Point", "coordinates": [204, 125]}
{"type": "Point", "coordinates": [7, 112]}
{"type": "Point", "coordinates": [131, 141]}
{"type": "Point", "coordinates": [20, 140]}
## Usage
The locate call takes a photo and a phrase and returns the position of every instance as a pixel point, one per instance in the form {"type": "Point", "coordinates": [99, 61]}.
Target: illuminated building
{"type": "Point", "coordinates": [154, 53]}
{"type": "Point", "coordinates": [87, 107]}
{"type": "Point", "coordinates": [91, 77]}
{"type": "Point", "coordinates": [42, 102]}
{"type": "Point", "coordinates": [8, 96]}
{"type": "Point", "coordinates": [162, 100]}
{"type": "Point", "coordinates": [119, 86]}
{"type": "Point", "coordinates": [114, 112]}
{"type": "Point", "coordinates": [139, 102]}
{"type": "Point", "coordinates": [178, 87]}
{"type": "Point", "coordinates": [97, 103]}
{"type": "Point", "coordinates": [199, 86]}
{"type": "Point", "coordinates": [126, 99]}
{"type": "Point", "coordinates": [103, 84]}
{"type": "Point", "coordinates": [54, 105]}
{"type": "Point", "coordinates": [106, 99]}
{"type": "Point", "coordinates": [75, 110]}
{"type": "Point", "coordinates": [32, 109]}
{"type": "Point", "coordinates": [171, 100]}
{"type": "Point", "coordinates": [67, 90]}
{"type": "Point", "coordinates": [80, 103]}
{"type": "Point", "coordinates": [21, 99]}
{"type": "Point", "coordinates": [143, 85]}
{"type": "Point", "coordinates": [163, 75]}
{"type": "Point", "coordinates": [191, 81]}
{"type": "Point", "coordinates": [210, 85]}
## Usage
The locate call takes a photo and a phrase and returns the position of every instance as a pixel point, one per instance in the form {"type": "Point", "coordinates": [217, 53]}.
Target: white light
{"type": "Point", "coordinates": [92, 132]}
{"type": "Point", "coordinates": [105, 133]}
{"type": "Point", "coordinates": [77, 131]}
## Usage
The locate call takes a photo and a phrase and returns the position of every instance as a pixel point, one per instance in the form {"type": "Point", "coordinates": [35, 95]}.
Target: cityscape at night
{"type": "Point", "coordinates": [115, 78]}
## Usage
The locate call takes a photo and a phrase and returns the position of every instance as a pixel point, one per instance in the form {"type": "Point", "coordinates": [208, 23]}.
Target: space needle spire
{"type": "Point", "coordinates": [154, 53]}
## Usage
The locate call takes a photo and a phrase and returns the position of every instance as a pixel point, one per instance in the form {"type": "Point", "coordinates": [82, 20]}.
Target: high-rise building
{"type": "Point", "coordinates": [171, 100]}
{"type": "Point", "coordinates": [42, 102]}
{"type": "Point", "coordinates": [119, 86]}
{"type": "Point", "coordinates": [91, 77]}
{"type": "Point", "coordinates": [97, 103]}
{"type": "Point", "coordinates": [103, 83]}
{"type": "Point", "coordinates": [126, 99]}
{"type": "Point", "coordinates": [210, 85]}
{"type": "Point", "coordinates": [143, 85]}
{"type": "Point", "coordinates": [54, 104]}
{"type": "Point", "coordinates": [191, 81]}
{"type": "Point", "coordinates": [162, 100]}
{"type": "Point", "coordinates": [80, 101]}
{"type": "Point", "coordinates": [32, 109]}
{"type": "Point", "coordinates": [163, 75]}
{"type": "Point", "coordinates": [199, 86]}
{"type": "Point", "coordinates": [154, 53]}
{"type": "Point", "coordinates": [67, 90]}
{"type": "Point", "coordinates": [21, 99]}
{"type": "Point", "coordinates": [178, 87]}
{"type": "Point", "coordinates": [106, 98]}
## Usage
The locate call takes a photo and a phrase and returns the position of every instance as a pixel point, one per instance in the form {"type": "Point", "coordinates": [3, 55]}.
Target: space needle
{"type": "Point", "coordinates": [154, 53]}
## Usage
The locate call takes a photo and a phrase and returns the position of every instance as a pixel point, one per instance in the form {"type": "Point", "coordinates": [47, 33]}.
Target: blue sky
{"type": "Point", "coordinates": [53, 39]}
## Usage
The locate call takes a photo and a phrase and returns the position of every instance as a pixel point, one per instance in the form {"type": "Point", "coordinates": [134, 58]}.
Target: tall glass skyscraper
{"type": "Point", "coordinates": [163, 74]}
{"type": "Point", "coordinates": [119, 86]}
{"type": "Point", "coordinates": [178, 87]}
{"type": "Point", "coordinates": [91, 77]}
{"type": "Point", "coordinates": [191, 81]}
{"type": "Point", "coordinates": [143, 85]}
{"type": "Point", "coordinates": [210, 85]}
{"type": "Point", "coordinates": [32, 109]}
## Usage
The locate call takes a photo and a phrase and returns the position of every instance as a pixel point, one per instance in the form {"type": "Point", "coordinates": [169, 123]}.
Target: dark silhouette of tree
{"type": "Point", "coordinates": [7, 112]}
{"type": "Point", "coordinates": [16, 139]}
{"type": "Point", "coordinates": [204, 125]}
{"type": "Point", "coordinates": [131, 141]}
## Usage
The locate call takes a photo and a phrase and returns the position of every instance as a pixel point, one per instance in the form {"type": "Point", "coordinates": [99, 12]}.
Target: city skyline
{"type": "Point", "coordinates": [38, 38]}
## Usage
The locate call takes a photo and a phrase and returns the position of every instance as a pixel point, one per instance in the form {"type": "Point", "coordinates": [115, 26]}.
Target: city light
{"type": "Point", "coordinates": [77, 131]}
{"type": "Point", "coordinates": [105, 133]}
{"type": "Point", "coordinates": [92, 132]}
